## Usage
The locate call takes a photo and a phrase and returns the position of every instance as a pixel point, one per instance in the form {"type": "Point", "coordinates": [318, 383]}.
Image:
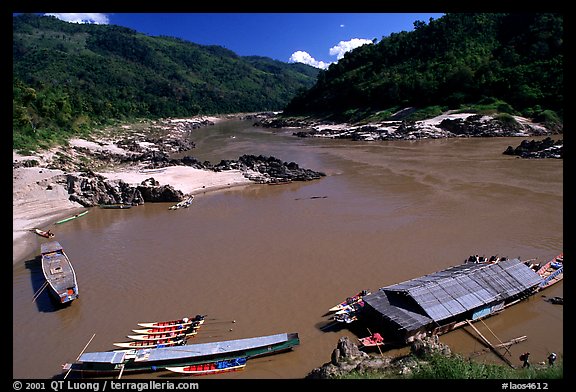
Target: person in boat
{"type": "Point", "coordinates": [377, 338]}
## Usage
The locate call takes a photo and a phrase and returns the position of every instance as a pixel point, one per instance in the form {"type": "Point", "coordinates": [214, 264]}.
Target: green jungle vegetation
{"type": "Point", "coordinates": [69, 78]}
{"type": "Point", "coordinates": [479, 62]}
{"type": "Point", "coordinates": [455, 367]}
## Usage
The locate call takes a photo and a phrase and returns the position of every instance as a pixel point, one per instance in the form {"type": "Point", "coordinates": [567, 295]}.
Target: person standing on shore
{"type": "Point", "coordinates": [525, 358]}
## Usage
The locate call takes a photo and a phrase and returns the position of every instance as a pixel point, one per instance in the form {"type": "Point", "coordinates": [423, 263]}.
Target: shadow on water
{"type": "Point", "coordinates": [43, 299]}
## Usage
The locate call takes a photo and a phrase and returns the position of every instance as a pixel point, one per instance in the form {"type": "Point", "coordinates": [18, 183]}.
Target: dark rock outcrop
{"type": "Point", "coordinates": [268, 169]}
{"type": "Point", "coordinates": [89, 190]}
{"type": "Point", "coordinates": [546, 148]}
{"type": "Point", "coordinates": [347, 357]}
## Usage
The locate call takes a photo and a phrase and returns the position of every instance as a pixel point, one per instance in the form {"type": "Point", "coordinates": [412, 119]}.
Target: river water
{"type": "Point", "coordinates": [263, 259]}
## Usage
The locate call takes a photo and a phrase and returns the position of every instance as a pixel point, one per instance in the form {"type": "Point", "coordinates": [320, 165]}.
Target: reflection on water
{"type": "Point", "coordinates": [267, 259]}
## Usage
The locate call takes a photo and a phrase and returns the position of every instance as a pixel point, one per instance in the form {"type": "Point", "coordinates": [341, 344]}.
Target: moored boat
{"type": "Point", "coordinates": [153, 359]}
{"type": "Point", "coordinates": [59, 273]}
{"type": "Point", "coordinates": [349, 301]}
{"type": "Point", "coordinates": [153, 343]}
{"type": "Point", "coordinates": [201, 369]}
{"type": "Point", "coordinates": [167, 335]}
{"type": "Point", "coordinates": [72, 217]}
{"type": "Point", "coordinates": [551, 272]}
{"type": "Point", "coordinates": [373, 340]}
{"type": "Point", "coordinates": [42, 233]}
{"type": "Point", "coordinates": [182, 323]}
{"type": "Point", "coordinates": [115, 206]}
{"type": "Point", "coordinates": [349, 314]}
{"type": "Point", "coordinates": [182, 204]}
{"type": "Point", "coordinates": [175, 328]}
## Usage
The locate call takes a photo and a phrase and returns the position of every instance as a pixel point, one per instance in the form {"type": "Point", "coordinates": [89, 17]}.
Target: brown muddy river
{"type": "Point", "coordinates": [276, 258]}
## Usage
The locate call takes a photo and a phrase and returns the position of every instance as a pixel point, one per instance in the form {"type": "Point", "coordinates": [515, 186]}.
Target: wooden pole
{"type": "Point", "coordinates": [377, 345]}
{"type": "Point", "coordinates": [79, 355]}
{"type": "Point", "coordinates": [487, 342]}
{"type": "Point", "coordinates": [505, 344]}
{"type": "Point", "coordinates": [508, 351]}
{"type": "Point", "coordinates": [512, 341]}
{"type": "Point", "coordinates": [37, 293]}
{"type": "Point", "coordinates": [121, 371]}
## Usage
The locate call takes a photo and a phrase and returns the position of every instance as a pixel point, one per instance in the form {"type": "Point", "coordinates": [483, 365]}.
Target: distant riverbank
{"type": "Point", "coordinates": [399, 127]}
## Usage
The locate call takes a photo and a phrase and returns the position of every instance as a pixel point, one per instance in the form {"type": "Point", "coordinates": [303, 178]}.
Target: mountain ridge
{"type": "Point", "coordinates": [69, 77]}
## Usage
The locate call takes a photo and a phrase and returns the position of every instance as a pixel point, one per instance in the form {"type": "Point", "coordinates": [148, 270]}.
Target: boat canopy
{"type": "Point", "coordinates": [49, 247]}
{"type": "Point", "coordinates": [113, 357]}
{"type": "Point", "coordinates": [186, 351]}
{"type": "Point", "coordinates": [212, 348]}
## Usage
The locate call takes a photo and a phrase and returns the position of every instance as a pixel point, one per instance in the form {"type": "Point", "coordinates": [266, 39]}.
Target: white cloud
{"type": "Point", "coordinates": [346, 46]}
{"type": "Point", "coordinates": [91, 18]}
{"type": "Point", "coordinates": [303, 57]}
{"type": "Point", "coordinates": [338, 51]}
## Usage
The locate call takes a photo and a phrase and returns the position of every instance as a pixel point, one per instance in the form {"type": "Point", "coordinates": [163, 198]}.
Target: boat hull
{"type": "Point", "coordinates": [153, 338]}
{"type": "Point", "coordinates": [150, 344]}
{"type": "Point", "coordinates": [349, 302]}
{"type": "Point", "coordinates": [72, 217]}
{"type": "Point", "coordinates": [552, 272]}
{"type": "Point", "coordinates": [224, 366]}
{"type": "Point", "coordinates": [158, 359]}
{"type": "Point", "coordinates": [59, 273]}
{"type": "Point", "coordinates": [45, 234]}
{"type": "Point", "coordinates": [160, 331]}
{"type": "Point", "coordinates": [182, 323]}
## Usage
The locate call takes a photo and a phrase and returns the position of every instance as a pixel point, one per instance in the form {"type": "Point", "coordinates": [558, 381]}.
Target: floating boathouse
{"type": "Point", "coordinates": [444, 300]}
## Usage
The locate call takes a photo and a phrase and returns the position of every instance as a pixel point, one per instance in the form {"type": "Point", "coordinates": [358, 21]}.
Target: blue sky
{"type": "Point", "coordinates": [317, 39]}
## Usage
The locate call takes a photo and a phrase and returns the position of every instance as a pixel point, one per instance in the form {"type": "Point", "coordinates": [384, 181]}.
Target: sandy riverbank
{"type": "Point", "coordinates": [37, 204]}
{"type": "Point", "coordinates": [38, 201]}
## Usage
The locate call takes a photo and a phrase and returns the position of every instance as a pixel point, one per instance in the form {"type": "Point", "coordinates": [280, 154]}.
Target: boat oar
{"type": "Point", "coordinates": [218, 322]}
{"type": "Point", "coordinates": [79, 355]}
{"type": "Point", "coordinates": [121, 371]}
{"type": "Point", "coordinates": [37, 293]}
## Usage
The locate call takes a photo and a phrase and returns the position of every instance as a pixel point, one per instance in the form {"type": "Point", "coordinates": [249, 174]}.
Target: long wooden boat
{"type": "Point", "coordinates": [552, 272]}
{"type": "Point", "coordinates": [72, 217]}
{"type": "Point", "coordinates": [223, 366]}
{"type": "Point", "coordinates": [161, 336]}
{"type": "Point", "coordinates": [182, 204]}
{"type": "Point", "coordinates": [153, 359]}
{"type": "Point", "coordinates": [115, 206]}
{"type": "Point", "coordinates": [42, 233]}
{"type": "Point", "coordinates": [349, 301]}
{"type": "Point", "coordinates": [183, 322]}
{"type": "Point", "coordinates": [176, 328]}
{"type": "Point", "coordinates": [349, 314]}
{"type": "Point", "coordinates": [152, 343]}
{"type": "Point", "coordinates": [59, 273]}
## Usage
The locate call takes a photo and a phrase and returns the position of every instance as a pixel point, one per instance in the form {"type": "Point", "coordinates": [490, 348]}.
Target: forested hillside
{"type": "Point", "coordinates": [511, 61]}
{"type": "Point", "coordinates": [69, 77]}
